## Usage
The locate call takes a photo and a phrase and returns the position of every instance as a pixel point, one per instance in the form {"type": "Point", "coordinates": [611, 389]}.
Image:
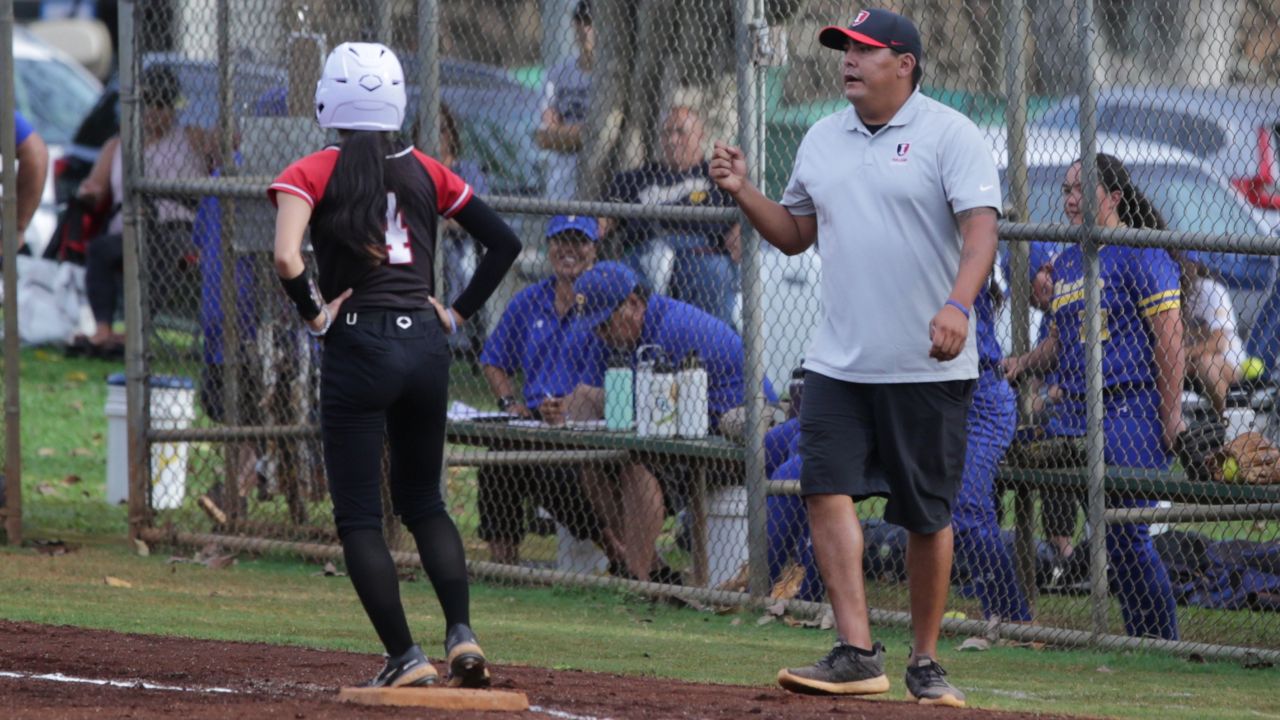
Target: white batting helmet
{"type": "Point", "coordinates": [361, 88]}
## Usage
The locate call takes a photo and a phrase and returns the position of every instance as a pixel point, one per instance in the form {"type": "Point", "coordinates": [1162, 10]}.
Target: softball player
{"type": "Point", "coordinates": [1142, 366]}
{"type": "Point", "coordinates": [991, 422]}
{"type": "Point", "coordinates": [372, 209]}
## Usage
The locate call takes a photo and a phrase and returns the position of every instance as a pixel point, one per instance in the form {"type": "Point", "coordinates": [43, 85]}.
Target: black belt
{"type": "Point", "coordinates": [381, 318]}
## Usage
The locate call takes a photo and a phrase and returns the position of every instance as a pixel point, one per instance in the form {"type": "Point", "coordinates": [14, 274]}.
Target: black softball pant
{"type": "Point", "coordinates": [384, 373]}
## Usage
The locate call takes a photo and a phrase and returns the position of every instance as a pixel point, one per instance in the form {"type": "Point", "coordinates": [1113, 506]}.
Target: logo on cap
{"type": "Point", "coordinates": [862, 17]}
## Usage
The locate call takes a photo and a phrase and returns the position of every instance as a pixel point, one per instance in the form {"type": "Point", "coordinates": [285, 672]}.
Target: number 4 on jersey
{"type": "Point", "coordinates": [399, 252]}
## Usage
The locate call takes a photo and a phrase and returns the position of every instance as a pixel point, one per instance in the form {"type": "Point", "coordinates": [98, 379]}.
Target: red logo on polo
{"type": "Point", "coordinates": [862, 17]}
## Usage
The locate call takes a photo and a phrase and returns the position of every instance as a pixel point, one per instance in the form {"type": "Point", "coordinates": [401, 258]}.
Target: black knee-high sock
{"type": "Point", "coordinates": [374, 576]}
{"type": "Point", "coordinates": [443, 557]}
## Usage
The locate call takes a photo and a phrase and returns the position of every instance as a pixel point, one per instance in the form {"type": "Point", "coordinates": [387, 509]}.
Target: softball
{"type": "Point", "coordinates": [955, 615]}
{"type": "Point", "coordinates": [1230, 468]}
{"type": "Point", "coordinates": [1253, 368]}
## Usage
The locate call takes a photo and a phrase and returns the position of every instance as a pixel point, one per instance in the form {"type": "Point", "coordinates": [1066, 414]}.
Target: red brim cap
{"type": "Point", "coordinates": [834, 37]}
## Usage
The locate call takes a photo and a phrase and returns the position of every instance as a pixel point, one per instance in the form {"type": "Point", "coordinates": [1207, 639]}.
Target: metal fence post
{"type": "Point", "coordinates": [12, 365]}
{"type": "Point", "coordinates": [1015, 75]}
{"type": "Point", "coordinates": [1094, 441]}
{"type": "Point", "coordinates": [751, 139]}
{"type": "Point", "coordinates": [135, 334]}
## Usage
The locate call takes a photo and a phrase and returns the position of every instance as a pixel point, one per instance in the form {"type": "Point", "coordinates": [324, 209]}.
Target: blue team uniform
{"type": "Point", "coordinates": [553, 352]}
{"type": "Point", "coordinates": [1137, 283]}
{"type": "Point", "coordinates": [680, 329]}
{"type": "Point", "coordinates": [992, 420]}
{"type": "Point", "coordinates": [788, 526]}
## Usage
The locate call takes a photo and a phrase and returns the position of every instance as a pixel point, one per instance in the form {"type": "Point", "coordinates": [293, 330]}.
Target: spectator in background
{"type": "Point", "coordinates": [1215, 352]}
{"type": "Point", "coordinates": [1143, 370]}
{"type": "Point", "coordinates": [460, 249]}
{"type": "Point", "coordinates": [537, 337]}
{"type": "Point", "coordinates": [168, 155]}
{"type": "Point", "coordinates": [614, 304]}
{"type": "Point", "coordinates": [33, 169]}
{"type": "Point", "coordinates": [567, 94]}
{"type": "Point", "coordinates": [691, 261]}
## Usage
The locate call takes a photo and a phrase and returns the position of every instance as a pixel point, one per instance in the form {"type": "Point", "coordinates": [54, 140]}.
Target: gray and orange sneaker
{"type": "Point", "coordinates": [467, 665]}
{"type": "Point", "coordinates": [927, 683]}
{"type": "Point", "coordinates": [845, 670]}
{"type": "Point", "coordinates": [409, 669]}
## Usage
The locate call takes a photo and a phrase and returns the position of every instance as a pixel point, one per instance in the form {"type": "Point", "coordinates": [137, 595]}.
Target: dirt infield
{"type": "Point", "coordinates": [202, 679]}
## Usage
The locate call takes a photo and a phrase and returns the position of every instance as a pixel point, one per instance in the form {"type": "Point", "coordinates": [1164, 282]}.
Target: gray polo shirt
{"type": "Point", "coordinates": [888, 237]}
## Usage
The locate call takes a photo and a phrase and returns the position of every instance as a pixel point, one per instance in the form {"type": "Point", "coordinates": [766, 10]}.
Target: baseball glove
{"type": "Point", "coordinates": [1199, 448]}
{"type": "Point", "coordinates": [1257, 460]}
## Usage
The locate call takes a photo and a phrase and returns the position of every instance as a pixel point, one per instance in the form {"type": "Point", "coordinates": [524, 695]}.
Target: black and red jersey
{"type": "Point", "coordinates": [405, 279]}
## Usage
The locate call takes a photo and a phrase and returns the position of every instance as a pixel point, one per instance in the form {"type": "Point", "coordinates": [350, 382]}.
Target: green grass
{"type": "Point", "coordinates": [64, 443]}
{"type": "Point", "coordinates": [278, 600]}
{"type": "Point", "coordinates": [283, 601]}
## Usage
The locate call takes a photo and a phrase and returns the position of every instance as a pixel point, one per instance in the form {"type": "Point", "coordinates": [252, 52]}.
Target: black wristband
{"type": "Point", "coordinates": [299, 291]}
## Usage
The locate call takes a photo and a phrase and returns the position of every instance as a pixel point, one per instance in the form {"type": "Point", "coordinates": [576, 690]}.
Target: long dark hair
{"type": "Point", "coordinates": [353, 210]}
{"type": "Point", "coordinates": [1134, 209]}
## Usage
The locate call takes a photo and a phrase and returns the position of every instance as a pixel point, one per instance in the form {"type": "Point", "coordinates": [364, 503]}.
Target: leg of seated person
{"type": "Point", "coordinates": [643, 506]}
{"type": "Point", "coordinates": [786, 532]}
{"type": "Point", "coordinates": [1141, 581]}
{"type": "Point", "coordinates": [601, 493]}
{"type": "Point", "coordinates": [103, 264]}
{"type": "Point", "coordinates": [500, 504]}
{"type": "Point", "coordinates": [1058, 511]}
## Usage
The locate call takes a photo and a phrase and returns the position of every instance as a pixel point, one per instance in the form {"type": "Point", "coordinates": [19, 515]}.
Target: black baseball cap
{"type": "Point", "coordinates": [878, 28]}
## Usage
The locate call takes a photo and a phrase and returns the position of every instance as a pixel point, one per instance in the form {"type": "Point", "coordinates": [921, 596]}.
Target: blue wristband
{"type": "Point", "coordinates": [956, 304]}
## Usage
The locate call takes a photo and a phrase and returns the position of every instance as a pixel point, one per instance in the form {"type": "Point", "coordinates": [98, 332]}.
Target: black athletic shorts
{"type": "Point", "coordinates": [901, 441]}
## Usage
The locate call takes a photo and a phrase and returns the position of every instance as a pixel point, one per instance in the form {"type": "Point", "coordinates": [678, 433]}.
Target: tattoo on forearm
{"type": "Point", "coordinates": [964, 215]}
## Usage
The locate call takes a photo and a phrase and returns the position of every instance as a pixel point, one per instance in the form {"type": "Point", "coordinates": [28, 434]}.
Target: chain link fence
{"type": "Point", "coordinates": [661, 448]}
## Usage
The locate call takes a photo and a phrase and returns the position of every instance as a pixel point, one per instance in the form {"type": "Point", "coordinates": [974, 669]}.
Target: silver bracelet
{"type": "Point", "coordinates": [328, 320]}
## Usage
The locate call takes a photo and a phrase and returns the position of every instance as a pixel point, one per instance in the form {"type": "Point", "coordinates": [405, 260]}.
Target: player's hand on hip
{"type": "Point", "coordinates": [728, 168]}
{"type": "Point", "coordinates": [320, 322]}
{"type": "Point", "coordinates": [947, 332]}
{"type": "Point", "coordinates": [449, 318]}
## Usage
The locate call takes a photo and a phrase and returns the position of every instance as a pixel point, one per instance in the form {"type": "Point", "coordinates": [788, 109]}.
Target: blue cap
{"type": "Point", "coordinates": [584, 224]}
{"type": "Point", "coordinates": [600, 291]}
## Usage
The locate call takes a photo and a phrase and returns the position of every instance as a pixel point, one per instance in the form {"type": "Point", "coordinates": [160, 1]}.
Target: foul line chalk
{"type": "Point", "coordinates": [59, 677]}
{"type": "Point", "coordinates": [561, 714]}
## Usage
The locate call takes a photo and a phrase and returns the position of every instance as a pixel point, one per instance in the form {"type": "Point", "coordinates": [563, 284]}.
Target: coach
{"type": "Point", "coordinates": [903, 193]}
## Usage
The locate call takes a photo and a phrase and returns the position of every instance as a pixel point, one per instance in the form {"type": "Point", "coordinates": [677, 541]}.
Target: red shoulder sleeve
{"type": "Point", "coordinates": [306, 178]}
{"type": "Point", "coordinates": [452, 192]}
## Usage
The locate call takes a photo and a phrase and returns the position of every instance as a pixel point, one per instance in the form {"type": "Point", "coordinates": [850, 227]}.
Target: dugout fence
{"type": "Point", "coordinates": [222, 381]}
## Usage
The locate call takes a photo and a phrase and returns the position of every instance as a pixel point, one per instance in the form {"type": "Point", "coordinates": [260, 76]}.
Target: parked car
{"type": "Point", "coordinates": [1234, 129]}
{"type": "Point", "coordinates": [54, 93]}
{"type": "Point", "coordinates": [1192, 195]}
